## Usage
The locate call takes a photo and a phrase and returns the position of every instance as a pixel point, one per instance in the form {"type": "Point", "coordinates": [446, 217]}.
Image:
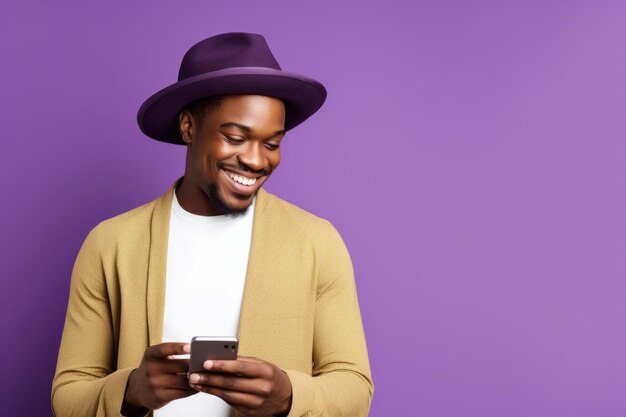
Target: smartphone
{"type": "Point", "coordinates": [211, 347]}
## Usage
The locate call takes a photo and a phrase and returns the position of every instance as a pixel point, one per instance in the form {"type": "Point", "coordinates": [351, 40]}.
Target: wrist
{"type": "Point", "coordinates": [287, 410]}
{"type": "Point", "coordinates": [287, 402]}
{"type": "Point", "coordinates": [130, 404]}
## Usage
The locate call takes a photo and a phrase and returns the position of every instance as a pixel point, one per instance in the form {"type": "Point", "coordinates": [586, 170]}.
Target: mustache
{"type": "Point", "coordinates": [244, 168]}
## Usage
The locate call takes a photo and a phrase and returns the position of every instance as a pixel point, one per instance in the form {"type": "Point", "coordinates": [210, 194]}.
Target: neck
{"type": "Point", "coordinates": [193, 199]}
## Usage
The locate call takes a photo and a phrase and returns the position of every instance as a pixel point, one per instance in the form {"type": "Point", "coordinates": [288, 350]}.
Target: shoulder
{"type": "Point", "coordinates": [128, 228]}
{"type": "Point", "coordinates": [295, 230]}
{"type": "Point", "coordinates": [132, 219]}
{"type": "Point", "coordinates": [288, 219]}
{"type": "Point", "coordinates": [287, 211]}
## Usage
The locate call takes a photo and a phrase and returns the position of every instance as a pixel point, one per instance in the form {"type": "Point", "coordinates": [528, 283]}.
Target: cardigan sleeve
{"type": "Point", "coordinates": [341, 382]}
{"type": "Point", "coordinates": [86, 382]}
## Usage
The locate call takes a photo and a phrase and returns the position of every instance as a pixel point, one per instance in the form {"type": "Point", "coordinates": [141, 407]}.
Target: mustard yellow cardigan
{"type": "Point", "coordinates": [299, 311]}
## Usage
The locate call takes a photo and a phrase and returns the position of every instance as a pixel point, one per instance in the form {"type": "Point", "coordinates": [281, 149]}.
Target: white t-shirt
{"type": "Point", "coordinates": [207, 259]}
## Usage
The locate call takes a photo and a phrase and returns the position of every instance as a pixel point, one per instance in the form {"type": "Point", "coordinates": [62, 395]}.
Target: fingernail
{"type": "Point", "coordinates": [187, 348]}
{"type": "Point", "coordinates": [208, 364]}
{"type": "Point", "coordinates": [194, 378]}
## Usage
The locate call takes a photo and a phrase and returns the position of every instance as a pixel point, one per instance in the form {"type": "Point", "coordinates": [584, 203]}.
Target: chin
{"type": "Point", "coordinates": [231, 206]}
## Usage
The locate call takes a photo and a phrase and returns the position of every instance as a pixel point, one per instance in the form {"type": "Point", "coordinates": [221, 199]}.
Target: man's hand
{"type": "Point", "coordinates": [158, 380]}
{"type": "Point", "coordinates": [253, 387]}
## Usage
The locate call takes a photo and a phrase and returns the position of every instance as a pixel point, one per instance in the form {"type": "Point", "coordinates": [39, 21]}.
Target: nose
{"type": "Point", "coordinates": [252, 156]}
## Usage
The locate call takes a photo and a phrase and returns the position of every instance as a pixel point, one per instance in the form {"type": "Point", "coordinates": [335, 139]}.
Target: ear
{"type": "Point", "coordinates": [186, 126]}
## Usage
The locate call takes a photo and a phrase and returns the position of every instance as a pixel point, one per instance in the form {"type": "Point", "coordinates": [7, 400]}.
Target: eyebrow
{"type": "Point", "coordinates": [248, 128]}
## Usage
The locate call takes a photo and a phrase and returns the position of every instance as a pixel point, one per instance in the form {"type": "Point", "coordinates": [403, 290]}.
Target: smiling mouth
{"type": "Point", "coordinates": [240, 179]}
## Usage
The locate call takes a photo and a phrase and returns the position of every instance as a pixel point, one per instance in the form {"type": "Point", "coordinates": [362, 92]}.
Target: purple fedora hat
{"type": "Point", "coordinates": [230, 63]}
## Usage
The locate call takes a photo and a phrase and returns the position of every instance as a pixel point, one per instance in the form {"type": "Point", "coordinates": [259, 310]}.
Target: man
{"type": "Point", "coordinates": [216, 256]}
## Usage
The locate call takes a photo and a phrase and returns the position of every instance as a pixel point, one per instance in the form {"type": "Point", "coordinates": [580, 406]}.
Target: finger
{"type": "Point", "coordinates": [179, 382]}
{"type": "Point", "coordinates": [229, 382]}
{"type": "Point", "coordinates": [248, 359]}
{"type": "Point", "coordinates": [163, 350]}
{"type": "Point", "coordinates": [233, 398]}
{"type": "Point", "coordinates": [185, 356]}
{"type": "Point", "coordinates": [171, 366]}
{"type": "Point", "coordinates": [249, 369]}
{"type": "Point", "coordinates": [174, 394]}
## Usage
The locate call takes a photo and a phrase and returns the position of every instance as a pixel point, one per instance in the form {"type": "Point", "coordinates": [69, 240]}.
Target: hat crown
{"type": "Point", "coordinates": [230, 63]}
{"type": "Point", "coordinates": [228, 50]}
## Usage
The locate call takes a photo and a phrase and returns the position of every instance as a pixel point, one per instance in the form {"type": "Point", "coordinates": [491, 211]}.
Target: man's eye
{"type": "Point", "coordinates": [234, 140]}
{"type": "Point", "coordinates": [272, 146]}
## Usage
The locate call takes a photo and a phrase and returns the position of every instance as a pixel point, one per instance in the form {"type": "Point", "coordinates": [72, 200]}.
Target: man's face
{"type": "Point", "coordinates": [232, 151]}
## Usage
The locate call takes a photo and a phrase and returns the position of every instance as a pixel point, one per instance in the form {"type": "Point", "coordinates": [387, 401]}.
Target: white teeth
{"type": "Point", "coordinates": [240, 179]}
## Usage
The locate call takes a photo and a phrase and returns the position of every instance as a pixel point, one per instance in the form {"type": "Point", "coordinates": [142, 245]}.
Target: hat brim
{"type": "Point", "coordinates": [303, 96]}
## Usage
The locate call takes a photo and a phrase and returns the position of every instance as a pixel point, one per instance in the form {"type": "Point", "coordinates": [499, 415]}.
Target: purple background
{"type": "Point", "coordinates": [470, 153]}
